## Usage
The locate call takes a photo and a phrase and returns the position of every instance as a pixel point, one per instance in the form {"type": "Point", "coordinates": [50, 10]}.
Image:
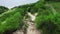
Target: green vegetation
{"type": "Point", "coordinates": [3, 9]}
{"type": "Point", "coordinates": [10, 20]}
{"type": "Point", "coordinates": [47, 20]}
{"type": "Point", "coordinates": [56, 5]}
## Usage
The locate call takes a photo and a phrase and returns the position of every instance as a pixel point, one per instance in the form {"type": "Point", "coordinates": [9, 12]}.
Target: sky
{"type": "Point", "coordinates": [13, 3]}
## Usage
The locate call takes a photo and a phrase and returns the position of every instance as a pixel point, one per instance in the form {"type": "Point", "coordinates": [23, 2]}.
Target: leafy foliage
{"type": "Point", "coordinates": [10, 20]}
{"type": "Point", "coordinates": [3, 9]}
{"type": "Point", "coordinates": [36, 6]}
{"type": "Point", "coordinates": [47, 21]}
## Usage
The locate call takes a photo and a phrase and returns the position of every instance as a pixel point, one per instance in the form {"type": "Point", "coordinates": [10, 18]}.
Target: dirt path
{"type": "Point", "coordinates": [19, 32]}
{"type": "Point", "coordinates": [32, 28]}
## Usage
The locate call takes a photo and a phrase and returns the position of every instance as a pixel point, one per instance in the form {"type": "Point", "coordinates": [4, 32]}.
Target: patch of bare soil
{"type": "Point", "coordinates": [32, 28]}
{"type": "Point", "coordinates": [19, 32]}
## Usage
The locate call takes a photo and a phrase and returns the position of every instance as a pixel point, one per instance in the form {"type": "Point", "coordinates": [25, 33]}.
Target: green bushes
{"type": "Point", "coordinates": [10, 20]}
{"type": "Point", "coordinates": [3, 9]}
{"type": "Point", "coordinates": [48, 22]}
{"type": "Point", "coordinates": [34, 8]}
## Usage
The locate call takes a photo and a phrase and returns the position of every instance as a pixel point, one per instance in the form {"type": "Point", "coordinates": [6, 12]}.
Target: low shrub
{"type": "Point", "coordinates": [48, 22]}
{"type": "Point", "coordinates": [3, 9]}
{"type": "Point", "coordinates": [10, 20]}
